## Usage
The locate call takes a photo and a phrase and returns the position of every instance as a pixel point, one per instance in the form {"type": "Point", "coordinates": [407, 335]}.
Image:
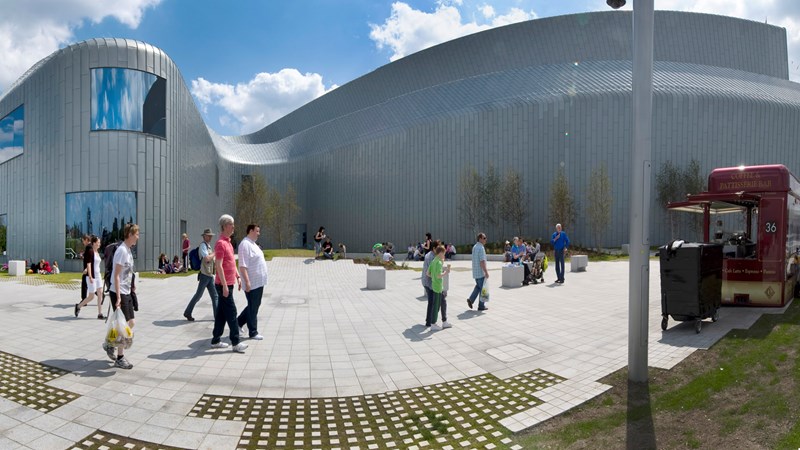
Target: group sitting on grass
{"type": "Point", "coordinates": [165, 267]}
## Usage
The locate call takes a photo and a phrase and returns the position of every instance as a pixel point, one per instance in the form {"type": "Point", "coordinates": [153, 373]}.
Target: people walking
{"type": "Point", "coordinates": [253, 267]}
{"type": "Point", "coordinates": [560, 242]}
{"type": "Point", "coordinates": [205, 279]}
{"type": "Point", "coordinates": [93, 279]}
{"type": "Point", "coordinates": [226, 274]}
{"type": "Point", "coordinates": [120, 291]}
{"type": "Point", "coordinates": [479, 272]}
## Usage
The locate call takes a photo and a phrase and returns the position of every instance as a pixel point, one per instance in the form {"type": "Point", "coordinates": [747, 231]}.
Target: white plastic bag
{"type": "Point", "coordinates": [485, 294]}
{"type": "Point", "coordinates": [118, 333]}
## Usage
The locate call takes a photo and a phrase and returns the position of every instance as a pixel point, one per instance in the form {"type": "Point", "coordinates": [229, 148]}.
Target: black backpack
{"type": "Point", "coordinates": [108, 259]}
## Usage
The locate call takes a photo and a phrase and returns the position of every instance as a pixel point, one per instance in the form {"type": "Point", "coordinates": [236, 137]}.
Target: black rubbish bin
{"type": "Point", "coordinates": [691, 282]}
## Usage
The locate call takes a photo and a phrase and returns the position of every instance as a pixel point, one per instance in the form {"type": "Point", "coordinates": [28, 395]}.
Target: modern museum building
{"type": "Point", "coordinates": [105, 132]}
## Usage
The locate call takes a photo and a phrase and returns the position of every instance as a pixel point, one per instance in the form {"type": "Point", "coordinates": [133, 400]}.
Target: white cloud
{"type": "Point", "coordinates": [408, 30]}
{"type": "Point", "coordinates": [32, 29]}
{"type": "Point", "coordinates": [267, 97]}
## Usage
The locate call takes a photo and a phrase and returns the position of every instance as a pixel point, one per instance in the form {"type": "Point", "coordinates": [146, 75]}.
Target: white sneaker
{"type": "Point", "coordinates": [446, 325]}
{"type": "Point", "coordinates": [239, 348]}
{"type": "Point", "coordinates": [435, 327]}
{"type": "Point", "coordinates": [257, 337]}
{"type": "Point", "coordinates": [220, 344]}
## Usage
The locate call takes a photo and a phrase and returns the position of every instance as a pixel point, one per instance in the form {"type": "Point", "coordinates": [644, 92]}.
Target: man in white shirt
{"type": "Point", "coordinates": [253, 268]}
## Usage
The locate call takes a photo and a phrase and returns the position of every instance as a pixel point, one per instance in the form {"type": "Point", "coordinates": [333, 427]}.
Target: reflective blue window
{"type": "Point", "coordinates": [102, 213]}
{"type": "Point", "coordinates": [126, 99]}
{"type": "Point", "coordinates": [12, 134]}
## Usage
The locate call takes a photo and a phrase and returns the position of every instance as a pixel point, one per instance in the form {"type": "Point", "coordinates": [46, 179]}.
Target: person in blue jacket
{"type": "Point", "coordinates": [560, 243]}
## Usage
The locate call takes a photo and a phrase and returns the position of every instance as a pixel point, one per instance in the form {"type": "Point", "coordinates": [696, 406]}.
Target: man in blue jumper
{"type": "Point", "coordinates": [560, 243]}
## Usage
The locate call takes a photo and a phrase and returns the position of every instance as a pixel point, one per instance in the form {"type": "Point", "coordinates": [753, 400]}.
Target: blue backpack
{"type": "Point", "coordinates": [194, 258]}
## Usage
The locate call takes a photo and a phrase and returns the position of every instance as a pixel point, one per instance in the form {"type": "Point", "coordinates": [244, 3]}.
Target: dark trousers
{"type": "Point", "coordinates": [435, 303]}
{"type": "Point", "coordinates": [203, 282]}
{"type": "Point", "coordinates": [560, 264]}
{"type": "Point", "coordinates": [226, 313]}
{"type": "Point", "coordinates": [250, 314]}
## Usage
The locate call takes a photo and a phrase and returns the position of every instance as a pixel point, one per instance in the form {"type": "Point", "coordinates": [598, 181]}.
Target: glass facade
{"type": "Point", "coordinates": [126, 99]}
{"type": "Point", "coordinates": [12, 134]}
{"type": "Point", "coordinates": [3, 233]}
{"type": "Point", "coordinates": [102, 213]}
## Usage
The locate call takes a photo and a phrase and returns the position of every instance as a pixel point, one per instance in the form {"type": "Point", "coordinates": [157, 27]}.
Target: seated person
{"type": "Point", "coordinates": [507, 252]}
{"type": "Point", "coordinates": [342, 251]}
{"type": "Point", "coordinates": [377, 249]}
{"type": "Point", "coordinates": [518, 250]}
{"type": "Point", "coordinates": [162, 262]}
{"type": "Point", "coordinates": [35, 267]}
{"type": "Point", "coordinates": [44, 267]}
{"type": "Point", "coordinates": [56, 270]}
{"type": "Point", "coordinates": [387, 256]}
{"type": "Point", "coordinates": [176, 264]}
{"type": "Point", "coordinates": [418, 253]}
{"type": "Point", "coordinates": [327, 249]}
{"type": "Point", "coordinates": [410, 254]}
{"type": "Point", "coordinates": [450, 250]}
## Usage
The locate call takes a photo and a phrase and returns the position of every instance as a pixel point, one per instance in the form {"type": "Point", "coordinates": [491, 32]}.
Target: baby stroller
{"type": "Point", "coordinates": [539, 266]}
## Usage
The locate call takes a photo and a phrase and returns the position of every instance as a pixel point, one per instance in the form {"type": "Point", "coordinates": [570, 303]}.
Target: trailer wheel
{"type": "Point", "coordinates": [664, 324]}
{"type": "Point", "coordinates": [715, 315]}
{"type": "Point", "coordinates": [698, 325]}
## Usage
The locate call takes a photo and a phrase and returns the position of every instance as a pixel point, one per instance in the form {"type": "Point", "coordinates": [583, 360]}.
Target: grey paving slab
{"type": "Point", "coordinates": [326, 336]}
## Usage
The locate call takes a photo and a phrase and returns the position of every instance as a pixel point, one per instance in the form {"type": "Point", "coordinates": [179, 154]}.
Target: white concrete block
{"type": "Point", "coordinates": [578, 263]}
{"type": "Point", "coordinates": [16, 268]}
{"type": "Point", "coordinates": [513, 276]}
{"type": "Point", "coordinates": [376, 278]}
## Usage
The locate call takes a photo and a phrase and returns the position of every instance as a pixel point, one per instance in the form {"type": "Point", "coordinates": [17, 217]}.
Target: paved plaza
{"type": "Point", "coordinates": [339, 367]}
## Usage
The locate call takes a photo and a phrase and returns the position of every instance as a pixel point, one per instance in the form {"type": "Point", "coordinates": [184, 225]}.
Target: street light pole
{"type": "Point", "coordinates": [639, 268]}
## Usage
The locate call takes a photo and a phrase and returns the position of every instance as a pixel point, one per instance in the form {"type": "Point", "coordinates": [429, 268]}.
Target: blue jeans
{"type": "Point", "coordinates": [430, 317]}
{"type": "Point", "coordinates": [560, 264]}
{"type": "Point", "coordinates": [477, 292]}
{"type": "Point", "coordinates": [250, 313]}
{"type": "Point", "coordinates": [226, 313]}
{"type": "Point", "coordinates": [204, 282]}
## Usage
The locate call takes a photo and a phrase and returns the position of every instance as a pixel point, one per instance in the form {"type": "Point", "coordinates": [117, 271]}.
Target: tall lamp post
{"type": "Point", "coordinates": [639, 268]}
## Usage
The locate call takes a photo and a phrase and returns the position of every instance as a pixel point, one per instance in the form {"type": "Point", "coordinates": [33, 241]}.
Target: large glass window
{"type": "Point", "coordinates": [3, 233]}
{"type": "Point", "coordinates": [102, 213]}
{"type": "Point", "coordinates": [126, 99]}
{"type": "Point", "coordinates": [12, 134]}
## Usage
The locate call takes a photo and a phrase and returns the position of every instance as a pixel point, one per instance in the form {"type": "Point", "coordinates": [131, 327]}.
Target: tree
{"type": "Point", "coordinates": [669, 189]}
{"type": "Point", "coordinates": [252, 201]}
{"type": "Point", "coordinates": [491, 196]}
{"type": "Point", "coordinates": [284, 209]}
{"type": "Point", "coordinates": [513, 200]}
{"type": "Point", "coordinates": [599, 203]}
{"type": "Point", "coordinates": [694, 182]}
{"type": "Point", "coordinates": [470, 203]}
{"type": "Point", "coordinates": [562, 203]}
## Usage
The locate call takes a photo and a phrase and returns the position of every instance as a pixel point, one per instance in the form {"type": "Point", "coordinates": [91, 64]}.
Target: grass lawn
{"type": "Point", "coordinates": [153, 275]}
{"type": "Point", "coordinates": [61, 278]}
{"type": "Point", "coordinates": [740, 394]}
{"type": "Point", "coordinates": [287, 252]}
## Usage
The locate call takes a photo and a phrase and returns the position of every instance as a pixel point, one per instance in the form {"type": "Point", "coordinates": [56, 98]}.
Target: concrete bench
{"type": "Point", "coordinates": [578, 263]}
{"type": "Point", "coordinates": [513, 276]}
{"type": "Point", "coordinates": [16, 268]}
{"type": "Point", "coordinates": [376, 278]}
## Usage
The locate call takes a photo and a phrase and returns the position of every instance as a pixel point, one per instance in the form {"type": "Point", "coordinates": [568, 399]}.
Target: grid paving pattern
{"type": "Point", "coordinates": [459, 414]}
{"type": "Point", "coordinates": [100, 440]}
{"type": "Point", "coordinates": [24, 382]}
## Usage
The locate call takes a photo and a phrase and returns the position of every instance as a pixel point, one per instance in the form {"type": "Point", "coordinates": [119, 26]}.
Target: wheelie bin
{"type": "Point", "coordinates": [691, 282]}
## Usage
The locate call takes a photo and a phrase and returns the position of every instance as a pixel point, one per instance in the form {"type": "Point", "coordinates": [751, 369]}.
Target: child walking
{"type": "Point", "coordinates": [437, 274]}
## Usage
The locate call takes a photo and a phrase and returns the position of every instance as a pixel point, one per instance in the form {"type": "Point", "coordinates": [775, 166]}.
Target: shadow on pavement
{"type": "Point", "coordinates": [95, 368]}
{"type": "Point", "coordinates": [417, 333]}
{"type": "Point", "coordinates": [469, 314]}
{"type": "Point", "coordinates": [197, 348]}
{"type": "Point", "coordinates": [175, 322]}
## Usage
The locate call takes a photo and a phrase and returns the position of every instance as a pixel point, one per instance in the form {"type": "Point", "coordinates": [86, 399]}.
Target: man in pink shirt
{"type": "Point", "coordinates": [223, 282]}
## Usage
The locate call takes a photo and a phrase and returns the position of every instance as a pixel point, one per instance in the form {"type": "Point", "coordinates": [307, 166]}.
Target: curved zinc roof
{"type": "Point", "coordinates": [530, 84]}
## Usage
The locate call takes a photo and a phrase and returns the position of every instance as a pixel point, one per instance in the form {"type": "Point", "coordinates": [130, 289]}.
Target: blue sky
{"type": "Point", "coordinates": [12, 128]}
{"type": "Point", "coordinates": [249, 62]}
